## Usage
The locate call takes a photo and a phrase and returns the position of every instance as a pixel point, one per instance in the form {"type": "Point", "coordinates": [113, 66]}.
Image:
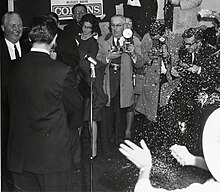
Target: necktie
{"type": "Point", "coordinates": [118, 43]}
{"type": "Point", "coordinates": [16, 52]}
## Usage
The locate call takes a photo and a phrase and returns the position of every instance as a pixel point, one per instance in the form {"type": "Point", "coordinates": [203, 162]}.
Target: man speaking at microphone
{"type": "Point", "coordinates": [118, 81]}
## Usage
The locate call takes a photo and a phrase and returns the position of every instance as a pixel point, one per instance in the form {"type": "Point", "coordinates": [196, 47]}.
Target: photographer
{"type": "Point", "coordinates": [118, 79]}
{"type": "Point", "coordinates": [156, 48]}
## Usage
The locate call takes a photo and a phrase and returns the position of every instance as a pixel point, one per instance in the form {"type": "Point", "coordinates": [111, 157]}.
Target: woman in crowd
{"type": "Point", "coordinates": [87, 45]}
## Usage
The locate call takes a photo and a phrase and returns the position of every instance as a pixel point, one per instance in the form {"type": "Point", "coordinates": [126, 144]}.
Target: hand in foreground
{"type": "Point", "coordinates": [182, 155]}
{"type": "Point", "coordinates": [140, 156]}
{"type": "Point", "coordinates": [130, 48]}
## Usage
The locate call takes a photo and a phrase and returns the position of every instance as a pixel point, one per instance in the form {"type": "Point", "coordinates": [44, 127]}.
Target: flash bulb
{"type": "Point", "coordinates": [127, 33]}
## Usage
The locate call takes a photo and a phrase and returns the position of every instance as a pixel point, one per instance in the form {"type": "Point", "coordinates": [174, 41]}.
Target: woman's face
{"type": "Point", "coordinates": [87, 28]}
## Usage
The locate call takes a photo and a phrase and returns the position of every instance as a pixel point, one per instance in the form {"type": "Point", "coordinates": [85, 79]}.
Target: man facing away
{"type": "Point", "coordinates": [41, 93]}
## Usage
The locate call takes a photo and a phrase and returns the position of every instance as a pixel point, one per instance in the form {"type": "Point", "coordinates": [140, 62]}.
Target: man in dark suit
{"type": "Point", "coordinates": [12, 29]}
{"type": "Point", "coordinates": [41, 94]}
{"type": "Point", "coordinates": [74, 28]}
{"type": "Point", "coordinates": [66, 51]}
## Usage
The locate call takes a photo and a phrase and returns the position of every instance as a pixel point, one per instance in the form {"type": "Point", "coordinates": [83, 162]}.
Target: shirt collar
{"type": "Point", "coordinates": [121, 40]}
{"type": "Point", "coordinates": [11, 45]}
{"type": "Point", "coordinates": [40, 50]}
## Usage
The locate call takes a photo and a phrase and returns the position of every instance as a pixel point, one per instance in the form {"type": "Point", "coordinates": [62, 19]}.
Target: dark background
{"type": "Point", "coordinates": [142, 17]}
{"type": "Point", "coordinates": [31, 8]}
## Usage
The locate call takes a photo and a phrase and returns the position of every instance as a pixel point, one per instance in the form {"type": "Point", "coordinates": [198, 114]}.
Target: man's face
{"type": "Point", "coordinates": [117, 26]}
{"type": "Point", "coordinates": [191, 44]}
{"type": "Point", "coordinates": [78, 13]}
{"type": "Point", "coordinates": [12, 28]}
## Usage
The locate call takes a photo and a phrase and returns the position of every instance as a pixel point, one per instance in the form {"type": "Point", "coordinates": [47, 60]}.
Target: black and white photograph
{"type": "Point", "coordinates": [110, 95]}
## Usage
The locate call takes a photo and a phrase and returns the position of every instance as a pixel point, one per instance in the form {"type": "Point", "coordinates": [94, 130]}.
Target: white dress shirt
{"type": "Point", "coordinates": [11, 49]}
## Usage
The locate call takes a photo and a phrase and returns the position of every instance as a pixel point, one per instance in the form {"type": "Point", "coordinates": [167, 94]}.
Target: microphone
{"type": "Point", "coordinates": [90, 59]}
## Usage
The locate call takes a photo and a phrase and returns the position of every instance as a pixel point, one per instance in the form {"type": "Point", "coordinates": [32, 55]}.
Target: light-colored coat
{"type": "Point", "coordinates": [126, 83]}
{"type": "Point", "coordinates": [151, 94]}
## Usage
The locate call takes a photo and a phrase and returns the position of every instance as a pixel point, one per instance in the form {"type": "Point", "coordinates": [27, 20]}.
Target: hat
{"type": "Point", "coordinates": [157, 28]}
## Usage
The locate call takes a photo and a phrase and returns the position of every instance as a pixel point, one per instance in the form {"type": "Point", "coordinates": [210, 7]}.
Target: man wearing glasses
{"type": "Point", "coordinates": [118, 81]}
{"type": "Point", "coordinates": [198, 68]}
{"type": "Point", "coordinates": [194, 51]}
{"type": "Point", "coordinates": [78, 11]}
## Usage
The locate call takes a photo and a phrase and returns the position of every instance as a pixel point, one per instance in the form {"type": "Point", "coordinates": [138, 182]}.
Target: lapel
{"type": "Point", "coordinates": [4, 51]}
{"type": "Point", "coordinates": [25, 47]}
{"type": "Point", "coordinates": [109, 43]}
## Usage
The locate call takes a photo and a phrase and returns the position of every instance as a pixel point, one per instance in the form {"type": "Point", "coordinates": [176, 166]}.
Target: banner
{"type": "Point", "coordinates": [63, 8]}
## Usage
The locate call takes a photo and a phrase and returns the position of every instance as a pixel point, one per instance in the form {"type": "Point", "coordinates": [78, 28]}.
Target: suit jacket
{"type": "Point", "coordinates": [126, 83]}
{"type": "Point", "coordinates": [5, 67]}
{"type": "Point", "coordinates": [67, 51]}
{"type": "Point", "coordinates": [6, 60]}
{"type": "Point", "coordinates": [41, 93]}
{"type": "Point", "coordinates": [72, 28]}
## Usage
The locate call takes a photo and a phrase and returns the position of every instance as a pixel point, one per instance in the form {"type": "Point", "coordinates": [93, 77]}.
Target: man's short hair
{"type": "Point", "coordinates": [196, 32]}
{"type": "Point", "coordinates": [78, 5]}
{"type": "Point", "coordinates": [120, 16]}
{"type": "Point", "coordinates": [5, 16]}
{"type": "Point", "coordinates": [43, 29]}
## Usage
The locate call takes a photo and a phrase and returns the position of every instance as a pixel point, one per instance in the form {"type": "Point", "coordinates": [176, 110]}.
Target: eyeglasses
{"type": "Point", "coordinates": [117, 26]}
{"type": "Point", "coordinates": [190, 44]}
{"type": "Point", "coordinates": [87, 27]}
{"type": "Point", "coordinates": [79, 12]}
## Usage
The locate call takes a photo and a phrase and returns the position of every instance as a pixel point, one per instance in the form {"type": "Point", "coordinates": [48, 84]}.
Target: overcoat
{"type": "Point", "coordinates": [126, 71]}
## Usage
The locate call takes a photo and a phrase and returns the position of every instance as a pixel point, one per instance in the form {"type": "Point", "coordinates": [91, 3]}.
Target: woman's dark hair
{"type": "Point", "coordinates": [93, 20]}
{"type": "Point", "coordinates": [43, 29]}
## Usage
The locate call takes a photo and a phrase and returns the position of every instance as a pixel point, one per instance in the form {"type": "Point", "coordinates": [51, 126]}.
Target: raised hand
{"type": "Point", "coordinates": [182, 155]}
{"type": "Point", "coordinates": [140, 156]}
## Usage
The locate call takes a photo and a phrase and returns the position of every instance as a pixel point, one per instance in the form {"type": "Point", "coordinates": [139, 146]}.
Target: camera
{"type": "Point", "coordinates": [127, 34]}
{"type": "Point", "coordinates": [117, 49]}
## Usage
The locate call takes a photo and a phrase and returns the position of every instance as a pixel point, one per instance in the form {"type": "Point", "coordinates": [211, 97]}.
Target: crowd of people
{"type": "Point", "coordinates": [49, 92]}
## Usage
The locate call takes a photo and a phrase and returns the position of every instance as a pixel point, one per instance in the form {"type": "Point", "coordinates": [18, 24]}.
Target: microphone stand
{"type": "Point", "coordinates": [92, 76]}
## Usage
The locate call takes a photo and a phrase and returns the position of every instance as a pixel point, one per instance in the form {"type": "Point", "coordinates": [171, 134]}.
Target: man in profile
{"type": "Point", "coordinates": [41, 94]}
